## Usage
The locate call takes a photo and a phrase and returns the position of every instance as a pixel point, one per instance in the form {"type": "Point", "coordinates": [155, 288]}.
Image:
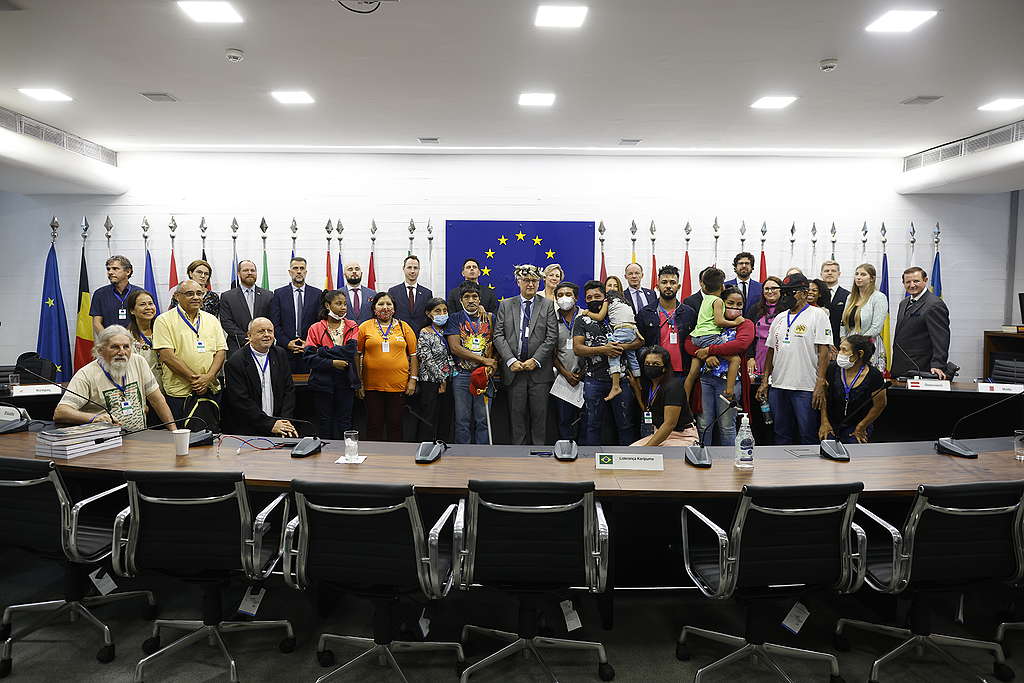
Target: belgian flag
{"type": "Point", "coordinates": [83, 328]}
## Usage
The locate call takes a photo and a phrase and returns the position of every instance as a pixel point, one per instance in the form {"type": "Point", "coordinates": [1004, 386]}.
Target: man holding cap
{"type": "Point", "coordinates": [798, 346]}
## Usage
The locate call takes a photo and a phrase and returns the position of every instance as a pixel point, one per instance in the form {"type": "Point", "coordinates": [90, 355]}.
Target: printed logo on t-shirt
{"type": "Point", "coordinates": [800, 329]}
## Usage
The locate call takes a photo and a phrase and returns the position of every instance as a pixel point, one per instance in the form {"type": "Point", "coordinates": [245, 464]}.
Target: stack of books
{"type": "Point", "coordinates": [71, 442]}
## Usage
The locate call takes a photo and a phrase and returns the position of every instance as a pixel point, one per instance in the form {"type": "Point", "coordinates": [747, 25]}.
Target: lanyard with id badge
{"type": "Point", "coordinates": [790, 321]}
{"type": "Point", "coordinates": [385, 345]}
{"type": "Point", "coordinates": [647, 424]}
{"type": "Point", "coordinates": [670, 318]}
{"type": "Point", "coordinates": [126, 405]}
{"type": "Point", "coordinates": [200, 344]}
{"type": "Point", "coordinates": [122, 312]}
{"type": "Point", "coordinates": [569, 326]}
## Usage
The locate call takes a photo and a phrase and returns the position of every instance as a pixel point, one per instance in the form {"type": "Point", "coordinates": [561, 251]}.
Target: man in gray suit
{"type": "Point", "coordinates": [525, 334]}
{"type": "Point", "coordinates": [921, 337]}
{"type": "Point", "coordinates": [239, 306]}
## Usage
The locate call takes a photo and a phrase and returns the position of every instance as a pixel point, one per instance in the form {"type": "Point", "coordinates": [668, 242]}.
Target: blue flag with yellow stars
{"type": "Point", "coordinates": [53, 342]}
{"type": "Point", "coordinates": [499, 246]}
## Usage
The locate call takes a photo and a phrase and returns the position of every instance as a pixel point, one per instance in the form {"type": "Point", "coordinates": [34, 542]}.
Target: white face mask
{"type": "Point", "coordinates": [565, 302]}
{"type": "Point", "coordinates": [844, 361]}
{"type": "Point", "coordinates": [334, 316]}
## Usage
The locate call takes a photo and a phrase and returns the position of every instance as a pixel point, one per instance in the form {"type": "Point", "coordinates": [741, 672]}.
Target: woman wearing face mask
{"type": "Point", "coordinates": [330, 351]}
{"type": "Point", "coordinates": [865, 312]}
{"type": "Point", "coordinates": [436, 369]}
{"type": "Point", "coordinates": [200, 271]}
{"type": "Point", "coordinates": [665, 419]}
{"type": "Point", "coordinates": [388, 368]}
{"type": "Point", "coordinates": [851, 380]}
{"type": "Point", "coordinates": [733, 341]}
{"type": "Point", "coordinates": [763, 315]}
{"type": "Point", "coordinates": [553, 274]}
{"type": "Point", "coordinates": [567, 365]}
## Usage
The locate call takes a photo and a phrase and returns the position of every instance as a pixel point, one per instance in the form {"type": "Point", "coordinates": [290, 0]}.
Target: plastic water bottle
{"type": "Point", "coordinates": [744, 445]}
{"type": "Point", "coordinates": [766, 412]}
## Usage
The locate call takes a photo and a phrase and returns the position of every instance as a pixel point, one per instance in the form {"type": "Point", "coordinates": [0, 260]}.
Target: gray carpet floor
{"type": "Point", "coordinates": [641, 646]}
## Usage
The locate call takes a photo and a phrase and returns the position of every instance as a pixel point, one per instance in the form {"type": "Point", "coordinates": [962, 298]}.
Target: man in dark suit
{"type": "Point", "coordinates": [471, 273]}
{"type": "Point", "coordinates": [525, 335]}
{"type": "Point", "coordinates": [410, 298]}
{"type": "Point", "coordinates": [241, 305]}
{"type": "Point", "coordinates": [259, 394]}
{"type": "Point", "coordinates": [743, 265]}
{"type": "Point", "coordinates": [358, 296]}
{"type": "Point", "coordinates": [293, 308]}
{"type": "Point", "coordinates": [921, 338]}
{"type": "Point", "coordinates": [834, 301]}
{"type": "Point", "coordinates": [637, 296]}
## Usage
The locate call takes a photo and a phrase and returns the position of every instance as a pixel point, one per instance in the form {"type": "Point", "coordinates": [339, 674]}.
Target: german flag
{"type": "Point", "coordinates": [83, 328]}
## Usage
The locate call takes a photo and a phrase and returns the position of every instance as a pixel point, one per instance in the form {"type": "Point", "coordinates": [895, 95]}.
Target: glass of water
{"type": "Point", "coordinates": [351, 445]}
{"type": "Point", "coordinates": [1018, 445]}
{"type": "Point", "coordinates": [14, 379]}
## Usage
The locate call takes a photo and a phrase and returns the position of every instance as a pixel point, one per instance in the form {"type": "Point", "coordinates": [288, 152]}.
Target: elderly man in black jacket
{"type": "Point", "coordinates": [258, 392]}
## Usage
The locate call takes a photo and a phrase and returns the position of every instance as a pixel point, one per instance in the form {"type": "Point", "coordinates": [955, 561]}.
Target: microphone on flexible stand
{"type": "Point", "coordinates": [917, 371]}
{"type": "Point", "coordinates": [698, 454]}
{"type": "Point", "coordinates": [949, 445]}
{"type": "Point", "coordinates": [834, 449]}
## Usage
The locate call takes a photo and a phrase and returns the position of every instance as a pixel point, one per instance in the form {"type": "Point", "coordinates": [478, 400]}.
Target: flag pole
{"type": "Point", "coordinates": [714, 231]}
{"type": "Point", "coordinates": [814, 242]}
{"type": "Point", "coordinates": [340, 274]}
{"type": "Point", "coordinates": [600, 231]}
{"type": "Point", "coordinates": [654, 262]}
{"type": "Point", "coordinates": [936, 280]}
{"type": "Point", "coordinates": [329, 279]}
{"type": "Point", "coordinates": [371, 274]}
{"type": "Point", "coordinates": [294, 227]}
{"type": "Point", "coordinates": [864, 241]}
{"type": "Point", "coordinates": [83, 324]}
{"type": "Point", "coordinates": [430, 252]}
{"type": "Point", "coordinates": [265, 280]}
{"type": "Point", "coordinates": [833, 231]}
{"type": "Point", "coordinates": [632, 231]}
{"type": "Point", "coordinates": [743, 235]}
{"type": "Point", "coordinates": [685, 285]}
{"type": "Point", "coordinates": [764, 261]}
{"type": "Point", "coordinates": [913, 241]}
{"type": "Point", "coordinates": [792, 241]}
{"type": "Point", "coordinates": [884, 288]}
{"type": "Point", "coordinates": [202, 239]}
{"type": "Point", "coordinates": [234, 252]}
{"type": "Point", "coordinates": [412, 232]}
{"type": "Point", "coordinates": [108, 226]}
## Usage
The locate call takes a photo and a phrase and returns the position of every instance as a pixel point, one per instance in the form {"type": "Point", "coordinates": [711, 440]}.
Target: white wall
{"type": "Point", "coordinates": [394, 188]}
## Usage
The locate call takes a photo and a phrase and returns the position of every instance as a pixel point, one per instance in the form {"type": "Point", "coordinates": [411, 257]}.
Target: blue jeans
{"type": "Point", "coordinates": [623, 335]}
{"type": "Point", "coordinates": [796, 422]}
{"type": "Point", "coordinates": [334, 412]}
{"type": "Point", "coordinates": [597, 408]}
{"type": "Point", "coordinates": [568, 420]}
{"type": "Point", "coordinates": [724, 433]}
{"type": "Point", "coordinates": [470, 415]}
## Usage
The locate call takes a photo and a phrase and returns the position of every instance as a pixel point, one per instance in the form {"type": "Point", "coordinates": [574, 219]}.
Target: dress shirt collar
{"type": "Point", "coordinates": [257, 354]}
{"type": "Point", "coordinates": [523, 299]}
{"type": "Point", "coordinates": [300, 288]}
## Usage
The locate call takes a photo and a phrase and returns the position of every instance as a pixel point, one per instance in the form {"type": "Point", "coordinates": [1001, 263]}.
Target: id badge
{"type": "Point", "coordinates": [785, 340]}
{"type": "Point", "coordinates": [385, 346]}
{"type": "Point", "coordinates": [526, 332]}
{"type": "Point", "coordinates": [673, 337]}
{"type": "Point", "coordinates": [200, 345]}
{"type": "Point", "coordinates": [126, 408]}
{"type": "Point", "coordinates": [648, 418]}
{"type": "Point", "coordinates": [568, 344]}
{"type": "Point", "coordinates": [122, 314]}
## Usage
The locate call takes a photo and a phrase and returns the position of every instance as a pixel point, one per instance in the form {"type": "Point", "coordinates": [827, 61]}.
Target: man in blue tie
{"type": "Point", "coordinates": [525, 334]}
{"type": "Point", "coordinates": [292, 310]}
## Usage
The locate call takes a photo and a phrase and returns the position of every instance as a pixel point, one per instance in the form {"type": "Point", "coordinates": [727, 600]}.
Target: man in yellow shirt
{"type": "Point", "coordinates": [192, 348]}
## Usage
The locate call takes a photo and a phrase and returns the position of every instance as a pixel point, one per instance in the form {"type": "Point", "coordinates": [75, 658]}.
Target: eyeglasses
{"type": "Point", "coordinates": [773, 289]}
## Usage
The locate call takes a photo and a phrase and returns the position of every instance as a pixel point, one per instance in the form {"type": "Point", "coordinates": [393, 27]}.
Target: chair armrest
{"type": "Point", "coordinates": [601, 552]}
{"type": "Point", "coordinates": [290, 554]}
{"type": "Point", "coordinates": [259, 529]}
{"type": "Point", "coordinates": [900, 563]}
{"type": "Point", "coordinates": [725, 563]}
{"type": "Point", "coordinates": [858, 559]}
{"type": "Point", "coordinates": [437, 586]}
{"type": "Point", "coordinates": [71, 525]}
{"type": "Point", "coordinates": [459, 551]}
{"type": "Point", "coordinates": [119, 544]}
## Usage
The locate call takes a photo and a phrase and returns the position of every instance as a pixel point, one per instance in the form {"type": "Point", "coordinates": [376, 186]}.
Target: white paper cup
{"type": "Point", "coordinates": [181, 441]}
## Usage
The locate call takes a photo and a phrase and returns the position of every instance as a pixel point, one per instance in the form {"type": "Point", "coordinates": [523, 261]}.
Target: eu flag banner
{"type": "Point", "coordinates": [499, 246]}
{"type": "Point", "coordinates": [936, 286]}
{"type": "Point", "coordinates": [53, 342]}
{"type": "Point", "coordinates": [150, 281]}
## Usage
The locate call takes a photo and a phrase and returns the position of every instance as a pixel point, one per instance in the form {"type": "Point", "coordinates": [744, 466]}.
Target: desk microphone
{"type": "Point", "coordinates": [203, 437]}
{"type": "Point", "coordinates": [698, 454]}
{"type": "Point", "coordinates": [948, 445]}
{"type": "Point", "coordinates": [917, 371]}
{"type": "Point", "coordinates": [834, 449]}
{"type": "Point", "coordinates": [307, 445]}
{"type": "Point", "coordinates": [73, 393]}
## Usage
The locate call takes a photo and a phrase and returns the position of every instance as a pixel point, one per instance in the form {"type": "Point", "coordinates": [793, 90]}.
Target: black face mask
{"type": "Point", "coordinates": [595, 306]}
{"type": "Point", "coordinates": [654, 371]}
{"type": "Point", "coordinates": [786, 302]}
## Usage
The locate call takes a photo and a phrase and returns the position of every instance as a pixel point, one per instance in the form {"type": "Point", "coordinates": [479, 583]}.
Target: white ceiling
{"type": "Point", "coordinates": [677, 73]}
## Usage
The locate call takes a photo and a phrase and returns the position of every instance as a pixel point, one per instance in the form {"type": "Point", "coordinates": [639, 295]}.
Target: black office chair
{"type": "Point", "coordinates": [36, 513]}
{"type": "Point", "coordinates": [369, 540]}
{"type": "Point", "coordinates": [197, 526]}
{"type": "Point", "coordinates": [779, 537]}
{"type": "Point", "coordinates": [531, 540]}
{"type": "Point", "coordinates": [954, 536]}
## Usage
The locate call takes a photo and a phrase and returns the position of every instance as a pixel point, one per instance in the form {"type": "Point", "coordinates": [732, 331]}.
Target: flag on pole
{"type": "Point", "coordinates": [52, 341]}
{"type": "Point", "coordinates": [884, 289]}
{"type": "Point", "coordinates": [83, 325]}
{"type": "Point", "coordinates": [371, 274]}
{"type": "Point", "coordinates": [172, 278]}
{"type": "Point", "coordinates": [265, 281]}
{"type": "Point", "coordinates": [234, 264]}
{"type": "Point", "coordinates": [686, 287]}
{"type": "Point", "coordinates": [654, 272]}
{"type": "Point", "coordinates": [936, 285]}
{"type": "Point", "coordinates": [604, 271]}
{"type": "Point", "coordinates": [149, 285]}
{"type": "Point", "coordinates": [330, 279]}
{"type": "Point", "coordinates": [341, 273]}
{"type": "Point", "coordinates": [764, 268]}
{"type": "Point", "coordinates": [209, 282]}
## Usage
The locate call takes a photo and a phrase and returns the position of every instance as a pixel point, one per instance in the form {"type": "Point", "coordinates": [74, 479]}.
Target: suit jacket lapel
{"type": "Point", "coordinates": [516, 304]}
{"type": "Point", "coordinates": [537, 302]}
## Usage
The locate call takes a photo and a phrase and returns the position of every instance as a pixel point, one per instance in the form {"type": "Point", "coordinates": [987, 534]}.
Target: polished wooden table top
{"type": "Point", "coordinates": [887, 469]}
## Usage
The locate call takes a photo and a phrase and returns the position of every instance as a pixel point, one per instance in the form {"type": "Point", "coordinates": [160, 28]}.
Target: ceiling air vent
{"type": "Point", "coordinates": [159, 96]}
{"type": "Point", "coordinates": [922, 99]}
{"type": "Point", "coordinates": [429, 141]}
{"type": "Point", "coordinates": [629, 142]}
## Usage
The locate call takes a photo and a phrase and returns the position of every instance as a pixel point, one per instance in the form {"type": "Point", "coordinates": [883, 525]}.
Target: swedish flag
{"type": "Point", "coordinates": [53, 342]}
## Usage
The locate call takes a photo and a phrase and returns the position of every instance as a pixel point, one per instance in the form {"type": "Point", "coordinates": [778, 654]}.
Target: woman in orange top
{"type": "Point", "coordinates": [387, 365]}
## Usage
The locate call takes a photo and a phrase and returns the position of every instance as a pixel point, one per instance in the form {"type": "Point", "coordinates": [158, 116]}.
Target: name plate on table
{"type": "Point", "coordinates": [34, 389]}
{"type": "Point", "coordinates": [929, 384]}
{"type": "Point", "coordinates": [629, 461]}
{"type": "Point", "coordinates": [997, 388]}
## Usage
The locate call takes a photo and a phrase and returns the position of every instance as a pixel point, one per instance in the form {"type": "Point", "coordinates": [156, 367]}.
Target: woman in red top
{"type": "Point", "coordinates": [330, 350]}
{"type": "Point", "coordinates": [711, 385]}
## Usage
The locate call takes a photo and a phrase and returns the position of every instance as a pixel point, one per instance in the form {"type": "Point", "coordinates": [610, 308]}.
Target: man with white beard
{"type": "Point", "coordinates": [117, 379]}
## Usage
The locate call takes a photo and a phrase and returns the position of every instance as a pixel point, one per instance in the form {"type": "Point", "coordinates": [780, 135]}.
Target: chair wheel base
{"type": "Point", "coordinates": [605, 671]}
{"type": "Point", "coordinates": [1002, 671]}
{"type": "Point", "coordinates": [150, 612]}
{"type": "Point", "coordinates": [325, 657]}
{"type": "Point", "coordinates": [5, 668]}
{"type": "Point", "coordinates": [286, 645]}
{"type": "Point", "coordinates": [151, 645]}
{"type": "Point", "coordinates": [105, 654]}
{"type": "Point", "coordinates": [682, 652]}
{"type": "Point", "coordinates": [841, 642]}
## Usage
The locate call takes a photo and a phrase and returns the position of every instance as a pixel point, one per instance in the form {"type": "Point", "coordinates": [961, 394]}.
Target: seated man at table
{"type": "Point", "coordinates": [258, 388]}
{"type": "Point", "coordinates": [117, 384]}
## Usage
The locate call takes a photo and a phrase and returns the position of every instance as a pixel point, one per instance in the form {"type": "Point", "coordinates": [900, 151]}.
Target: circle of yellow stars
{"type": "Point", "coordinates": [503, 242]}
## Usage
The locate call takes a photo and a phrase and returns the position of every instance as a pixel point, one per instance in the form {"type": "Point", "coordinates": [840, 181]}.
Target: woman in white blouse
{"type": "Point", "coordinates": [865, 312]}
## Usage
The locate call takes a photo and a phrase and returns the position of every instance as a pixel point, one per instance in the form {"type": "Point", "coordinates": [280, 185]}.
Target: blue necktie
{"type": "Point", "coordinates": [524, 346]}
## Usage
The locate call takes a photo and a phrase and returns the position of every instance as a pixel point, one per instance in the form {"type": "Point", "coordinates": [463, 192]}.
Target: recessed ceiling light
{"type": "Point", "coordinates": [773, 102]}
{"type": "Point", "coordinates": [159, 96]}
{"type": "Point", "coordinates": [211, 12]}
{"type": "Point", "coordinates": [536, 99]}
{"type": "Point", "coordinates": [900, 21]}
{"type": "Point", "coordinates": [45, 94]}
{"type": "Point", "coordinates": [293, 97]}
{"type": "Point", "coordinates": [1003, 104]}
{"type": "Point", "coordinates": [922, 99]}
{"type": "Point", "coordinates": [560, 16]}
